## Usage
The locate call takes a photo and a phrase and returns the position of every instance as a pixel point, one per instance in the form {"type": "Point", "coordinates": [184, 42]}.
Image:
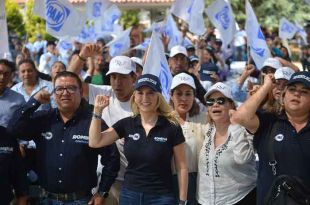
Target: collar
{"type": "Point", "coordinates": [160, 121]}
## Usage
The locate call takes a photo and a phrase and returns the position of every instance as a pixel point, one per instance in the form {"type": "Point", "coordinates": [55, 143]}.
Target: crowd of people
{"type": "Point", "coordinates": [87, 128]}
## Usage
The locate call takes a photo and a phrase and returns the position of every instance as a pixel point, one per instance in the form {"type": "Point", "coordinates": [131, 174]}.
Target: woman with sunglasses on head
{"type": "Point", "coordinates": [152, 137]}
{"type": "Point", "coordinates": [192, 122]}
{"type": "Point", "coordinates": [226, 167]}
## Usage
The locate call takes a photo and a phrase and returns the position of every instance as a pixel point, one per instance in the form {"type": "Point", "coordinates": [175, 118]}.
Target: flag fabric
{"type": "Point", "coordinates": [172, 31]}
{"type": "Point", "coordinates": [95, 8]}
{"type": "Point", "coordinates": [143, 46]}
{"type": "Point", "coordinates": [62, 18]}
{"type": "Point", "coordinates": [256, 40]}
{"type": "Point", "coordinates": [156, 64]}
{"type": "Point", "coordinates": [222, 17]}
{"type": "Point", "coordinates": [191, 11]}
{"type": "Point", "coordinates": [302, 32]}
{"type": "Point", "coordinates": [4, 40]}
{"type": "Point", "coordinates": [120, 44]}
{"type": "Point", "coordinates": [87, 35]}
{"type": "Point", "coordinates": [308, 1]}
{"type": "Point", "coordinates": [287, 29]}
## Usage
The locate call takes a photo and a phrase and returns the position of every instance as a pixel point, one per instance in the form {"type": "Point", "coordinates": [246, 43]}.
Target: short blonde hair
{"type": "Point", "coordinates": [163, 108]}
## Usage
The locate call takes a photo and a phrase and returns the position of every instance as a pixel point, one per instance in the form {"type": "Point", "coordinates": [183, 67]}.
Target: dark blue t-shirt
{"type": "Point", "coordinates": [149, 157]}
{"type": "Point", "coordinates": [292, 151]}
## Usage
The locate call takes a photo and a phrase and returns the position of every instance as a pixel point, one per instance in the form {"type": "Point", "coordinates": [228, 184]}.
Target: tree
{"type": "Point", "coordinates": [129, 18]}
{"type": "Point", "coordinates": [15, 20]}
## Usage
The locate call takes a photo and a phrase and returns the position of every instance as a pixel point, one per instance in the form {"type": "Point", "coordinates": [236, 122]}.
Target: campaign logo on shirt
{"type": "Point", "coordinates": [80, 139]}
{"type": "Point", "coordinates": [279, 137]}
{"type": "Point", "coordinates": [135, 136]}
{"type": "Point", "coordinates": [6, 150]}
{"type": "Point", "coordinates": [47, 135]}
{"type": "Point", "coordinates": [160, 139]}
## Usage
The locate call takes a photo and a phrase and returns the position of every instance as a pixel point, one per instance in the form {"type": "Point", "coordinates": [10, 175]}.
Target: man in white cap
{"type": "Point", "coordinates": [122, 71]}
{"type": "Point", "coordinates": [178, 60]}
{"type": "Point", "coordinates": [271, 65]}
{"type": "Point", "coordinates": [282, 76]}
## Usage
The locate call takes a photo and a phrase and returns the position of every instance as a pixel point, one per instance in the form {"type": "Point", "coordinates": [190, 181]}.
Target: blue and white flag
{"type": "Point", "coordinates": [4, 40]}
{"type": "Point", "coordinates": [62, 18]}
{"type": "Point", "coordinates": [256, 40]}
{"type": "Point", "coordinates": [222, 17]}
{"type": "Point", "coordinates": [143, 46]}
{"type": "Point", "coordinates": [287, 29]}
{"type": "Point", "coordinates": [120, 44]}
{"type": "Point", "coordinates": [302, 32]}
{"type": "Point", "coordinates": [110, 17]}
{"type": "Point", "coordinates": [191, 11]}
{"type": "Point", "coordinates": [95, 8]}
{"type": "Point", "coordinates": [87, 35]}
{"type": "Point", "coordinates": [172, 31]}
{"type": "Point", "coordinates": [156, 64]}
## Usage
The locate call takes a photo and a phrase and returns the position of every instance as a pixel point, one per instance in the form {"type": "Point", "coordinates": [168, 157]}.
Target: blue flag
{"type": "Point", "coordinates": [120, 44]}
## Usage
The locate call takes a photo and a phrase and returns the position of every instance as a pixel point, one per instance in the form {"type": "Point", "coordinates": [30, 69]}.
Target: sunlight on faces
{"type": "Point", "coordinates": [68, 101]}
{"type": "Point", "coordinates": [178, 63]}
{"type": "Point", "coordinates": [146, 99]}
{"type": "Point", "coordinates": [57, 68]}
{"type": "Point", "coordinates": [28, 74]}
{"type": "Point", "coordinates": [182, 98]}
{"type": "Point", "coordinates": [219, 113]}
{"type": "Point", "coordinates": [279, 88]}
{"type": "Point", "coordinates": [297, 99]}
{"type": "Point", "coordinates": [122, 84]}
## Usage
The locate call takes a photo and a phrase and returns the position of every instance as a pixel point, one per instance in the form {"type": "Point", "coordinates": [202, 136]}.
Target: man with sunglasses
{"type": "Point", "coordinates": [66, 164]}
{"type": "Point", "coordinates": [289, 131]}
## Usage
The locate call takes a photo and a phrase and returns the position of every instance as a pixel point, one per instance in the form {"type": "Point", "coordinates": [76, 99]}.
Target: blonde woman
{"type": "Point", "coordinates": [192, 121]}
{"type": "Point", "coordinates": [226, 167]}
{"type": "Point", "coordinates": [152, 138]}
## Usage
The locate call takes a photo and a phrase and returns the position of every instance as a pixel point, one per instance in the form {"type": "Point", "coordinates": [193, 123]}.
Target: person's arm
{"type": "Point", "coordinates": [246, 114]}
{"type": "Point", "coordinates": [96, 137]}
{"type": "Point", "coordinates": [182, 170]}
{"type": "Point", "coordinates": [286, 63]}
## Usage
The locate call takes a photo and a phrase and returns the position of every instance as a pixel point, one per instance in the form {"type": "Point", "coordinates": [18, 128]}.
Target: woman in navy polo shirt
{"type": "Point", "coordinates": [152, 137]}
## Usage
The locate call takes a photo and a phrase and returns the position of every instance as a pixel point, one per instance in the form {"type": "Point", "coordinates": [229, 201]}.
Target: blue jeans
{"type": "Point", "coordinates": [48, 201]}
{"type": "Point", "coordinates": [128, 197]}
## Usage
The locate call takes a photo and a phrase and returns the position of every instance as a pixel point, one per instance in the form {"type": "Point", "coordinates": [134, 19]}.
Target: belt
{"type": "Point", "coordinates": [67, 196]}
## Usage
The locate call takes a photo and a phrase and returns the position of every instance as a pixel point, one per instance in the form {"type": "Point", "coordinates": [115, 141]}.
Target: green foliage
{"type": "Point", "coordinates": [15, 21]}
{"type": "Point", "coordinates": [269, 12]}
{"type": "Point", "coordinates": [129, 18]}
{"type": "Point", "coordinates": [35, 24]}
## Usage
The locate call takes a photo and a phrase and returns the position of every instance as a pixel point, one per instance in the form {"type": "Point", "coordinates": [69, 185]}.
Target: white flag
{"type": "Point", "coordinates": [287, 29]}
{"type": "Point", "coordinates": [95, 8]}
{"type": "Point", "coordinates": [120, 44]}
{"type": "Point", "coordinates": [308, 1]}
{"type": "Point", "coordinates": [191, 11]}
{"type": "Point", "coordinates": [4, 40]}
{"type": "Point", "coordinates": [172, 31]}
{"type": "Point", "coordinates": [143, 46]}
{"type": "Point", "coordinates": [302, 32]}
{"type": "Point", "coordinates": [62, 18]}
{"type": "Point", "coordinates": [156, 64]}
{"type": "Point", "coordinates": [256, 39]}
{"type": "Point", "coordinates": [222, 17]}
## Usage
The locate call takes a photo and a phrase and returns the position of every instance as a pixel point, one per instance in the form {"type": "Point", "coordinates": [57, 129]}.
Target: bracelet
{"type": "Point", "coordinates": [96, 116]}
{"type": "Point", "coordinates": [81, 58]}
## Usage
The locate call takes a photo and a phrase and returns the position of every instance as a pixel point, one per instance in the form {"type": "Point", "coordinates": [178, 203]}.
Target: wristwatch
{"type": "Point", "coordinates": [182, 202]}
{"type": "Point", "coordinates": [103, 194]}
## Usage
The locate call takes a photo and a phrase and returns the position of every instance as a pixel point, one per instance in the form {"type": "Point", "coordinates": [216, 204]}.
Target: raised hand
{"type": "Point", "coordinates": [43, 96]}
{"type": "Point", "coordinates": [101, 102]}
{"type": "Point", "coordinates": [89, 50]}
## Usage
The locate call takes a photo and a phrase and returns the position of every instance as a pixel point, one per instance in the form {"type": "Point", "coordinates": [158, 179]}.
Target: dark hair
{"type": "Point", "coordinates": [50, 43]}
{"type": "Point", "coordinates": [8, 64]}
{"type": "Point", "coordinates": [29, 61]}
{"type": "Point", "coordinates": [61, 64]}
{"type": "Point", "coordinates": [68, 74]}
{"type": "Point", "coordinates": [195, 109]}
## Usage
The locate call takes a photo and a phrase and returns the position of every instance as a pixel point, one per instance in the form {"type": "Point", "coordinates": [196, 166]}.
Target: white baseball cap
{"type": "Point", "coordinates": [220, 87]}
{"type": "Point", "coordinates": [284, 73]}
{"type": "Point", "coordinates": [122, 65]}
{"type": "Point", "coordinates": [178, 50]}
{"type": "Point", "coordinates": [182, 78]}
{"type": "Point", "coordinates": [273, 63]}
{"type": "Point", "coordinates": [137, 61]}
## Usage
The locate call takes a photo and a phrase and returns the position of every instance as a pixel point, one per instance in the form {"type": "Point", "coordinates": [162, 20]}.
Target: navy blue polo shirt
{"type": "Point", "coordinates": [12, 171]}
{"type": "Point", "coordinates": [65, 162]}
{"type": "Point", "coordinates": [292, 151]}
{"type": "Point", "coordinates": [149, 157]}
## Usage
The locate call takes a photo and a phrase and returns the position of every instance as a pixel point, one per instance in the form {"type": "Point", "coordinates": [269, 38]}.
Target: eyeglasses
{"type": "Point", "coordinates": [220, 101]}
{"type": "Point", "coordinates": [71, 89]}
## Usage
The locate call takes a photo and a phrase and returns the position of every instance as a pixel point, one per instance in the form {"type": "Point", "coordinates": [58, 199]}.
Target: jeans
{"type": "Point", "coordinates": [48, 201]}
{"type": "Point", "coordinates": [128, 197]}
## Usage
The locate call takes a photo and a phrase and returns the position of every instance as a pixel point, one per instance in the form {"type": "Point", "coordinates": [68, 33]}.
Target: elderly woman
{"type": "Point", "coordinates": [226, 168]}
{"type": "Point", "coordinates": [152, 137]}
{"type": "Point", "coordinates": [289, 132]}
{"type": "Point", "coordinates": [192, 122]}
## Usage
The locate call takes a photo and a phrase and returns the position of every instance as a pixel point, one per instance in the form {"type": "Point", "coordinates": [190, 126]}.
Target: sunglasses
{"type": "Point", "coordinates": [220, 101]}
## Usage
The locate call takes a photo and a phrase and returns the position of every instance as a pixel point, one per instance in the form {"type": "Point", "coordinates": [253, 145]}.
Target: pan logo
{"type": "Point", "coordinates": [135, 136]}
{"type": "Point", "coordinates": [279, 137]}
{"type": "Point", "coordinates": [56, 14]}
{"type": "Point", "coordinates": [223, 17]}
